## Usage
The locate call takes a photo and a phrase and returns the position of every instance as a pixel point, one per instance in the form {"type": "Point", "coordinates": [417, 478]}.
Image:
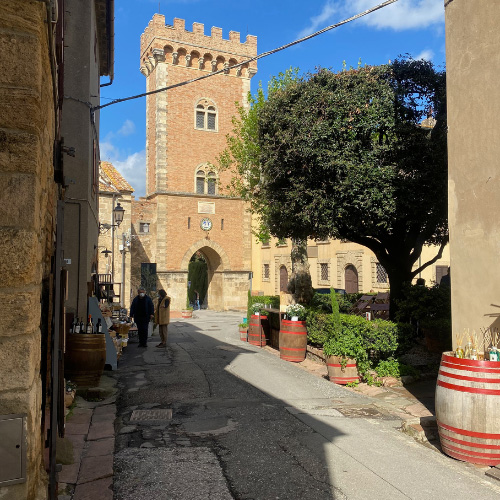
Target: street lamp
{"type": "Point", "coordinates": [116, 219]}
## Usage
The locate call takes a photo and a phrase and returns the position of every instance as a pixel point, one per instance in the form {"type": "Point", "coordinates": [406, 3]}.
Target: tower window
{"type": "Point", "coordinates": [206, 116]}
{"type": "Point", "coordinates": [206, 180]}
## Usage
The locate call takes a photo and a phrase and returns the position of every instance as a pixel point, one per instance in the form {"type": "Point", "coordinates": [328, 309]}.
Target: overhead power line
{"type": "Point", "coordinates": [260, 56]}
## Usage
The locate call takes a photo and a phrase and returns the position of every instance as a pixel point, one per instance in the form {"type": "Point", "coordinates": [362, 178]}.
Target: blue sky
{"type": "Point", "coordinates": [415, 27]}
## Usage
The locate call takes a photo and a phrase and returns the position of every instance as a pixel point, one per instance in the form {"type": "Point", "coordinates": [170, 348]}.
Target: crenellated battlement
{"type": "Point", "coordinates": [176, 45]}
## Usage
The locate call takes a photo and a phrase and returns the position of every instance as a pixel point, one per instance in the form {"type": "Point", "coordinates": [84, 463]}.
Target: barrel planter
{"type": "Point", "coordinates": [84, 358]}
{"type": "Point", "coordinates": [342, 373]}
{"type": "Point", "coordinates": [244, 334]}
{"type": "Point", "coordinates": [468, 409]}
{"type": "Point", "coordinates": [258, 330]}
{"type": "Point", "coordinates": [293, 341]}
{"type": "Point", "coordinates": [187, 313]}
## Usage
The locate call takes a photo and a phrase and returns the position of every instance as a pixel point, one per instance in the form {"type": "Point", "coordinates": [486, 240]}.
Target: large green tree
{"type": "Point", "coordinates": [344, 155]}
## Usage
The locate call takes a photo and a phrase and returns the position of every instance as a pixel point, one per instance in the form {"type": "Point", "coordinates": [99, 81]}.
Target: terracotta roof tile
{"type": "Point", "coordinates": [110, 180]}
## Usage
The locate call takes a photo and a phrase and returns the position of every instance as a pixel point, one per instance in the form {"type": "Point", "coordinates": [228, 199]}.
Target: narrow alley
{"type": "Point", "coordinates": [211, 417]}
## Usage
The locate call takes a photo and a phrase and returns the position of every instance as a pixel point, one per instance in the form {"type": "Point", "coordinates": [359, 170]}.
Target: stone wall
{"type": "Point", "coordinates": [27, 223]}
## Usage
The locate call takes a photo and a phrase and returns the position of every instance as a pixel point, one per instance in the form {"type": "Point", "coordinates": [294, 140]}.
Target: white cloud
{"type": "Point", "coordinates": [128, 128]}
{"type": "Point", "coordinates": [319, 21]}
{"type": "Point", "coordinates": [405, 14]}
{"type": "Point", "coordinates": [427, 55]}
{"type": "Point", "coordinates": [133, 169]}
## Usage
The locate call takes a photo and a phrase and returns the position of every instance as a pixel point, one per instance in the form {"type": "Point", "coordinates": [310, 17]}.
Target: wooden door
{"type": "Point", "coordinates": [351, 279]}
{"type": "Point", "coordinates": [283, 279]}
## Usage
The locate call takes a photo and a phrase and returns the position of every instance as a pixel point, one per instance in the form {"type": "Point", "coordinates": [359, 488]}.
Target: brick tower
{"type": "Point", "coordinates": [186, 129]}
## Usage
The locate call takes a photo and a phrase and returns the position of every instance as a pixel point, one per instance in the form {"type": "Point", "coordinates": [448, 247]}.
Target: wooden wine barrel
{"type": "Point", "coordinates": [84, 358]}
{"type": "Point", "coordinates": [293, 341]}
{"type": "Point", "coordinates": [342, 374]}
{"type": "Point", "coordinates": [257, 330]}
{"type": "Point", "coordinates": [468, 409]}
{"type": "Point", "coordinates": [244, 334]}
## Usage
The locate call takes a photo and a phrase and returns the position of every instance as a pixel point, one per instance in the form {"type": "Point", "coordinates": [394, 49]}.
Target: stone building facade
{"type": "Point", "coordinates": [29, 112]}
{"type": "Point", "coordinates": [186, 129]}
{"type": "Point", "coordinates": [333, 263]}
{"type": "Point", "coordinates": [34, 173]}
{"type": "Point", "coordinates": [115, 266]}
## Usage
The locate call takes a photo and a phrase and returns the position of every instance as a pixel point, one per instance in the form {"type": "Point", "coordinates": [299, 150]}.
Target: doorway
{"type": "Point", "coordinates": [351, 279]}
{"type": "Point", "coordinates": [283, 279]}
{"type": "Point", "coordinates": [198, 281]}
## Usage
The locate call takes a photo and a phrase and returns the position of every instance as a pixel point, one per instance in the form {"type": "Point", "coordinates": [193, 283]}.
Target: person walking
{"type": "Point", "coordinates": [196, 300]}
{"type": "Point", "coordinates": [142, 310]}
{"type": "Point", "coordinates": [162, 316]}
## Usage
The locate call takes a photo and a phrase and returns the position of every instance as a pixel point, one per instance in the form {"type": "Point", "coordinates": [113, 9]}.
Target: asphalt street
{"type": "Point", "coordinates": [211, 417]}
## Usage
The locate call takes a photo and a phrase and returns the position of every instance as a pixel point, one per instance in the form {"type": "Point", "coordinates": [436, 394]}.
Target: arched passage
{"type": "Point", "coordinates": [217, 263]}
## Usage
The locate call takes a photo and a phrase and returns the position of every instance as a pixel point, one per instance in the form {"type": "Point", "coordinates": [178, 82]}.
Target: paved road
{"type": "Point", "coordinates": [213, 418]}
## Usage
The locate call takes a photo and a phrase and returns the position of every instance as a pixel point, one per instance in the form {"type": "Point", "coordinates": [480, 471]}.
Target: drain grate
{"type": "Point", "coordinates": [148, 415]}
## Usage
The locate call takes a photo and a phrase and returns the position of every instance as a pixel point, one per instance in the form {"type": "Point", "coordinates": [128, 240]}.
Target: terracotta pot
{"type": "Point", "coordinates": [187, 313]}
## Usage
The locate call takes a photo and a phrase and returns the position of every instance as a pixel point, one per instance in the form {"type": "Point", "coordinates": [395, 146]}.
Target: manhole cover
{"type": "Point", "coordinates": [138, 415]}
{"type": "Point", "coordinates": [358, 412]}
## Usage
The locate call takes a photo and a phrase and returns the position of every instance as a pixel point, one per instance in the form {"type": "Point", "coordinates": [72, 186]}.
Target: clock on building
{"type": "Point", "coordinates": [206, 224]}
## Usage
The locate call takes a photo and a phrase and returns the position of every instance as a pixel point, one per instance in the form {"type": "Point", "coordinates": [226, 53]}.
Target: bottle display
{"type": "Point", "coordinates": [90, 325]}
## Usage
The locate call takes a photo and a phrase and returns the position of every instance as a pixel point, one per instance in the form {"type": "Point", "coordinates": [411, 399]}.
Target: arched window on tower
{"type": "Point", "coordinates": [206, 180]}
{"type": "Point", "coordinates": [206, 116]}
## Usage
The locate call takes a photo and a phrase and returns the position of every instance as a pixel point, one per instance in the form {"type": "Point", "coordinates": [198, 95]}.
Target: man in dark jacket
{"type": "Point", "coordinates": [142, 310]}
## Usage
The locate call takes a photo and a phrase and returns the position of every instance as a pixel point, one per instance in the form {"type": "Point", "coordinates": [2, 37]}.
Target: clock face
{"type": "Point", "coordinates": [206, 224]}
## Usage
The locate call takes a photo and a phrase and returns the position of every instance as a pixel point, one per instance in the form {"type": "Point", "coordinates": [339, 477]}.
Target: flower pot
{"type": "Point", "coordinates": [293, 341]}
{"type": "Point", "coordinates": [342, 373]}
{"type": "Point", "coordinates": [244, 334]}
{"type": "Point", "coordinates": [187, 313]}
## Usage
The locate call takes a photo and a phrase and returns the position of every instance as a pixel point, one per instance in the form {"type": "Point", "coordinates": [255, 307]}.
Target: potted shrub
{"type": "Point", "coordinates": [187, 312]}
{"type": "Point", "coordinates": [344, 351]}
{"type": "Point", "coordinates": [344, 348]}
{"type": "Point", "coordinates": [243, 328]}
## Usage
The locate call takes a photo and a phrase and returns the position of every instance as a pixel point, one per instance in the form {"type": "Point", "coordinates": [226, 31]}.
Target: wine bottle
{"type": "Point", "coordinates": [98, 328]}
{"type": "Point", "coordinates": [82, 326]}
{"type": "Point", "coordinates": [90, 325]}
{"type": "Point", "coordinates": [76, 328]}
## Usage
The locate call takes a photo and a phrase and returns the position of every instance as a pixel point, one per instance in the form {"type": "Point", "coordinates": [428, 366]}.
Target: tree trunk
{"type": "Point", "coordinates": [300, 284]}
{"type": "Point", "coordinates": [397, 279]}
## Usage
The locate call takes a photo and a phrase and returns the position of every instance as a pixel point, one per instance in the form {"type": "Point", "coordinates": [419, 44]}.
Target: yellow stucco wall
{"type": "Point", "coordinates": [473, 93]}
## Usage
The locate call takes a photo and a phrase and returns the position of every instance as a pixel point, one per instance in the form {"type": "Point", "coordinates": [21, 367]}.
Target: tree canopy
{"type": "Point", "coordinates": [345, 155]}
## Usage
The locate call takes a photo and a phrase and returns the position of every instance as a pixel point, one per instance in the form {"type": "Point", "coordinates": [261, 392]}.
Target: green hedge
{"type": "Point", "coordinates": [368, 341]}
{"type": "Point", "coordinates": [271, 300]}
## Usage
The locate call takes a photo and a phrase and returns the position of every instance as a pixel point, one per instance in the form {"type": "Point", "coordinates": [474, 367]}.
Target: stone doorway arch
{"type": "Point", "coordinates": [217, 264]}
{"type": "Point", "coordinates": [351, 279]}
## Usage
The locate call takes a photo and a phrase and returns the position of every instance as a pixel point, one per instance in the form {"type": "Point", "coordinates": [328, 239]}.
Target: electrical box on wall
{"type": "Point", "coordinates": [12, 449]}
